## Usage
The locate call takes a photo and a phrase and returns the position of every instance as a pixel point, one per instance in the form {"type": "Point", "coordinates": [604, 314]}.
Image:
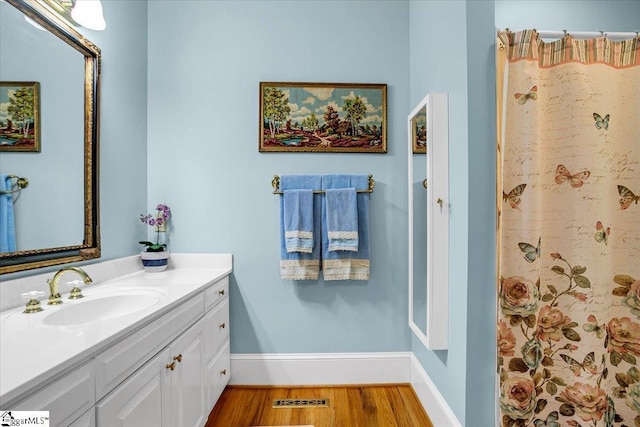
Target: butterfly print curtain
{"type": "Point", "coordinates": [569, 231]}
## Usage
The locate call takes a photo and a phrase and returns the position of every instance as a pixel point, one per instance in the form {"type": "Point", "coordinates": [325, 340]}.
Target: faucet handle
{"type": "Point", "coordinates": [33, 305]}
{"type": "Point", "coordinates": [75, 293]}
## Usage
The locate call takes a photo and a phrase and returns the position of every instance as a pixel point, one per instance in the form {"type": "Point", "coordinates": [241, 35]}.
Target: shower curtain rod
{"type": "Point", "coordinates": [587, 34]}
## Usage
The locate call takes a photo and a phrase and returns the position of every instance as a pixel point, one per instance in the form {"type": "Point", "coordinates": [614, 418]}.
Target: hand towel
{"type": "Point", "coordinates": [7, 221]}
{"type": "Point", "coordinates": [301, 265]}
{"type": "Point", "coordinates": [347, 265]}
{"type": "Point", "coordinates": [298, 220]}
{"type": "Point", "coordinates": [342, 219]}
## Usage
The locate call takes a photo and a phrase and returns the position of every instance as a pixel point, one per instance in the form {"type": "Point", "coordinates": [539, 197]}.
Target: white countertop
{"type": "Point", "coordinates": [34, 353]}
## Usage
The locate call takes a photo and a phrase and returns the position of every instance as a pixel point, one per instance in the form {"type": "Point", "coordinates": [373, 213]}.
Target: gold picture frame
{"type": "Point", "coordinates": [323, 117]}
{"type": "Point", "coordinates": [20, 116]}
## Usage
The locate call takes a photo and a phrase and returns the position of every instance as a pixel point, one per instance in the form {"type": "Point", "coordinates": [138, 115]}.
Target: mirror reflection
{"type": "Point", "coordinates": [36, 46]}
{"type": "Point", "coordinates": [419, 195]}
{"type": "Point", "coordinates": [417, 169]}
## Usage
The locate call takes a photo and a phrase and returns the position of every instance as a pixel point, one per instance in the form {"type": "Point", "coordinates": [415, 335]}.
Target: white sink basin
{"type": "Point", "coordinates": [103, 306]}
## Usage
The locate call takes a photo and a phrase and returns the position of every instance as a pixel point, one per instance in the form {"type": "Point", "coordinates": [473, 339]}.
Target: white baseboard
{"type": "Point", "coordinates": [439, 411]}
{"type": "Point", "coordinates": [320, 368]}
{"type": "Point", "coordinates": [343, 368]}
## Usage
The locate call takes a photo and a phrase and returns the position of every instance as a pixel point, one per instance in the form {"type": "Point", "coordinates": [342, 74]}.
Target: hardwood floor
{"type": "Point", "coordinates": [394, 405]}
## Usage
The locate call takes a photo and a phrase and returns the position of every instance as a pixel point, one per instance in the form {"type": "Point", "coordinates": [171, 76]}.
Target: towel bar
{"type": "Point", "coordinates": [275, 183]}
{"type": "Point", "coordinates": [20, 182]}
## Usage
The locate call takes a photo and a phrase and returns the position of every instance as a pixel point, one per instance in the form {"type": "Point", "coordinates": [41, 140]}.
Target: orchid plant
{"type": "Point", "coordinates": [160, 221]}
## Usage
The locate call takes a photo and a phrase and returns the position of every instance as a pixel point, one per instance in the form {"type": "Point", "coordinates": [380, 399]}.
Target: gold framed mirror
{"type": "Point", "coordinates": [66, 212]}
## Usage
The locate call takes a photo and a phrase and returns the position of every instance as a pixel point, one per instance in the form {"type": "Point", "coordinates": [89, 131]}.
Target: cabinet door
{"type": "Point", "coordinates": [187, 380]}
{"type": "Point", "coordinates": [143, 400]}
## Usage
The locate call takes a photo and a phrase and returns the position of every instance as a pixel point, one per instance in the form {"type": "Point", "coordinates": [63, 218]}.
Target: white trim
{"type": "Point", "coordinates": [433, 402]}
{"type": "Point", "coordinates": [320, 368]}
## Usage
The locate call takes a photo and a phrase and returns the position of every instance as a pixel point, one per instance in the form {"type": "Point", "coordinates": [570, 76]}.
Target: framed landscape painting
{"type": "Point", "coordinates": [19, 116]}
{"type": "Point", "coordinates": [323, 117]}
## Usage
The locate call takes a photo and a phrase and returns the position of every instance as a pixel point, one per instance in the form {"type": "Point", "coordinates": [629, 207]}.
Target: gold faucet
{"type": "Point", "coordinates": [54, 298]}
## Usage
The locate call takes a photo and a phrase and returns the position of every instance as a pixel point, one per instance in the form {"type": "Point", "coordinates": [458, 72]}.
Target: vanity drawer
{"type": "Point", "coordinates": [216, 325]}
{"type": "Point", "coordinates": [66, 398]}
{"type": "Point", "coordinates": [115, 364]}
{"type": "Point", "coordinates": [218, 373]}
{"type": "Point", "coordinates": [216, 293]}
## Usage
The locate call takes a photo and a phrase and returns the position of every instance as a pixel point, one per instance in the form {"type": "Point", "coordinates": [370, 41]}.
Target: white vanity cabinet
{"type": "Point", "coordinates": [163, 365]}
{"type": "Point", "coordinates": [179, 386]}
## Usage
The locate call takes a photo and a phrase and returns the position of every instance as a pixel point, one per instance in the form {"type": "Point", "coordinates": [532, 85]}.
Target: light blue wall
{"type": "Point", "coordinates": [206, 60]}
{"type": "Point", "coordinates": [481, 287]}
{"type": "Point", "coordinates": [439, 64]}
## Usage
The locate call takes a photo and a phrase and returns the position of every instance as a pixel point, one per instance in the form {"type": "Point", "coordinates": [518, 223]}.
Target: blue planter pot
{"type": "Point", "coordinates": [154, 262]}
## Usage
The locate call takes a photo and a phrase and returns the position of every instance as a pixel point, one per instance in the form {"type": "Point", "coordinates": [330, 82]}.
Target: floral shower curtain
{"type": "Point", "coordinates": [569, 231]}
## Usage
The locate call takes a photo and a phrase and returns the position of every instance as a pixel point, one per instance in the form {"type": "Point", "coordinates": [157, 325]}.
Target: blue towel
{"type": "Point", "coordinates": [347, 265]}
{"type": "Point", "coordinates": [298, 220]}
{"type": "Point", "coordinates": [7, 221]}
{"type": "Point", "coordinates": [301, 265]}
{"type": "Point", "coordinates": [342, 219]}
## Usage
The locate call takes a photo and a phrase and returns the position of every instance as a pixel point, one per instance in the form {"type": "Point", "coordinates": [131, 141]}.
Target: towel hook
{"type": "Point", "coordinates": [20, 183]}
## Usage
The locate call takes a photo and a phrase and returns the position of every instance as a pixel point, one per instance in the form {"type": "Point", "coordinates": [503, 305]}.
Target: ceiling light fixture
{"type": "Point", "coordinates": [88, 13]}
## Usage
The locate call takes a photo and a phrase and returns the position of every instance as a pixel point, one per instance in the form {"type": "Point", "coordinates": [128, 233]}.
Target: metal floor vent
{"type": "Point", "coordinates": [300, 403]}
